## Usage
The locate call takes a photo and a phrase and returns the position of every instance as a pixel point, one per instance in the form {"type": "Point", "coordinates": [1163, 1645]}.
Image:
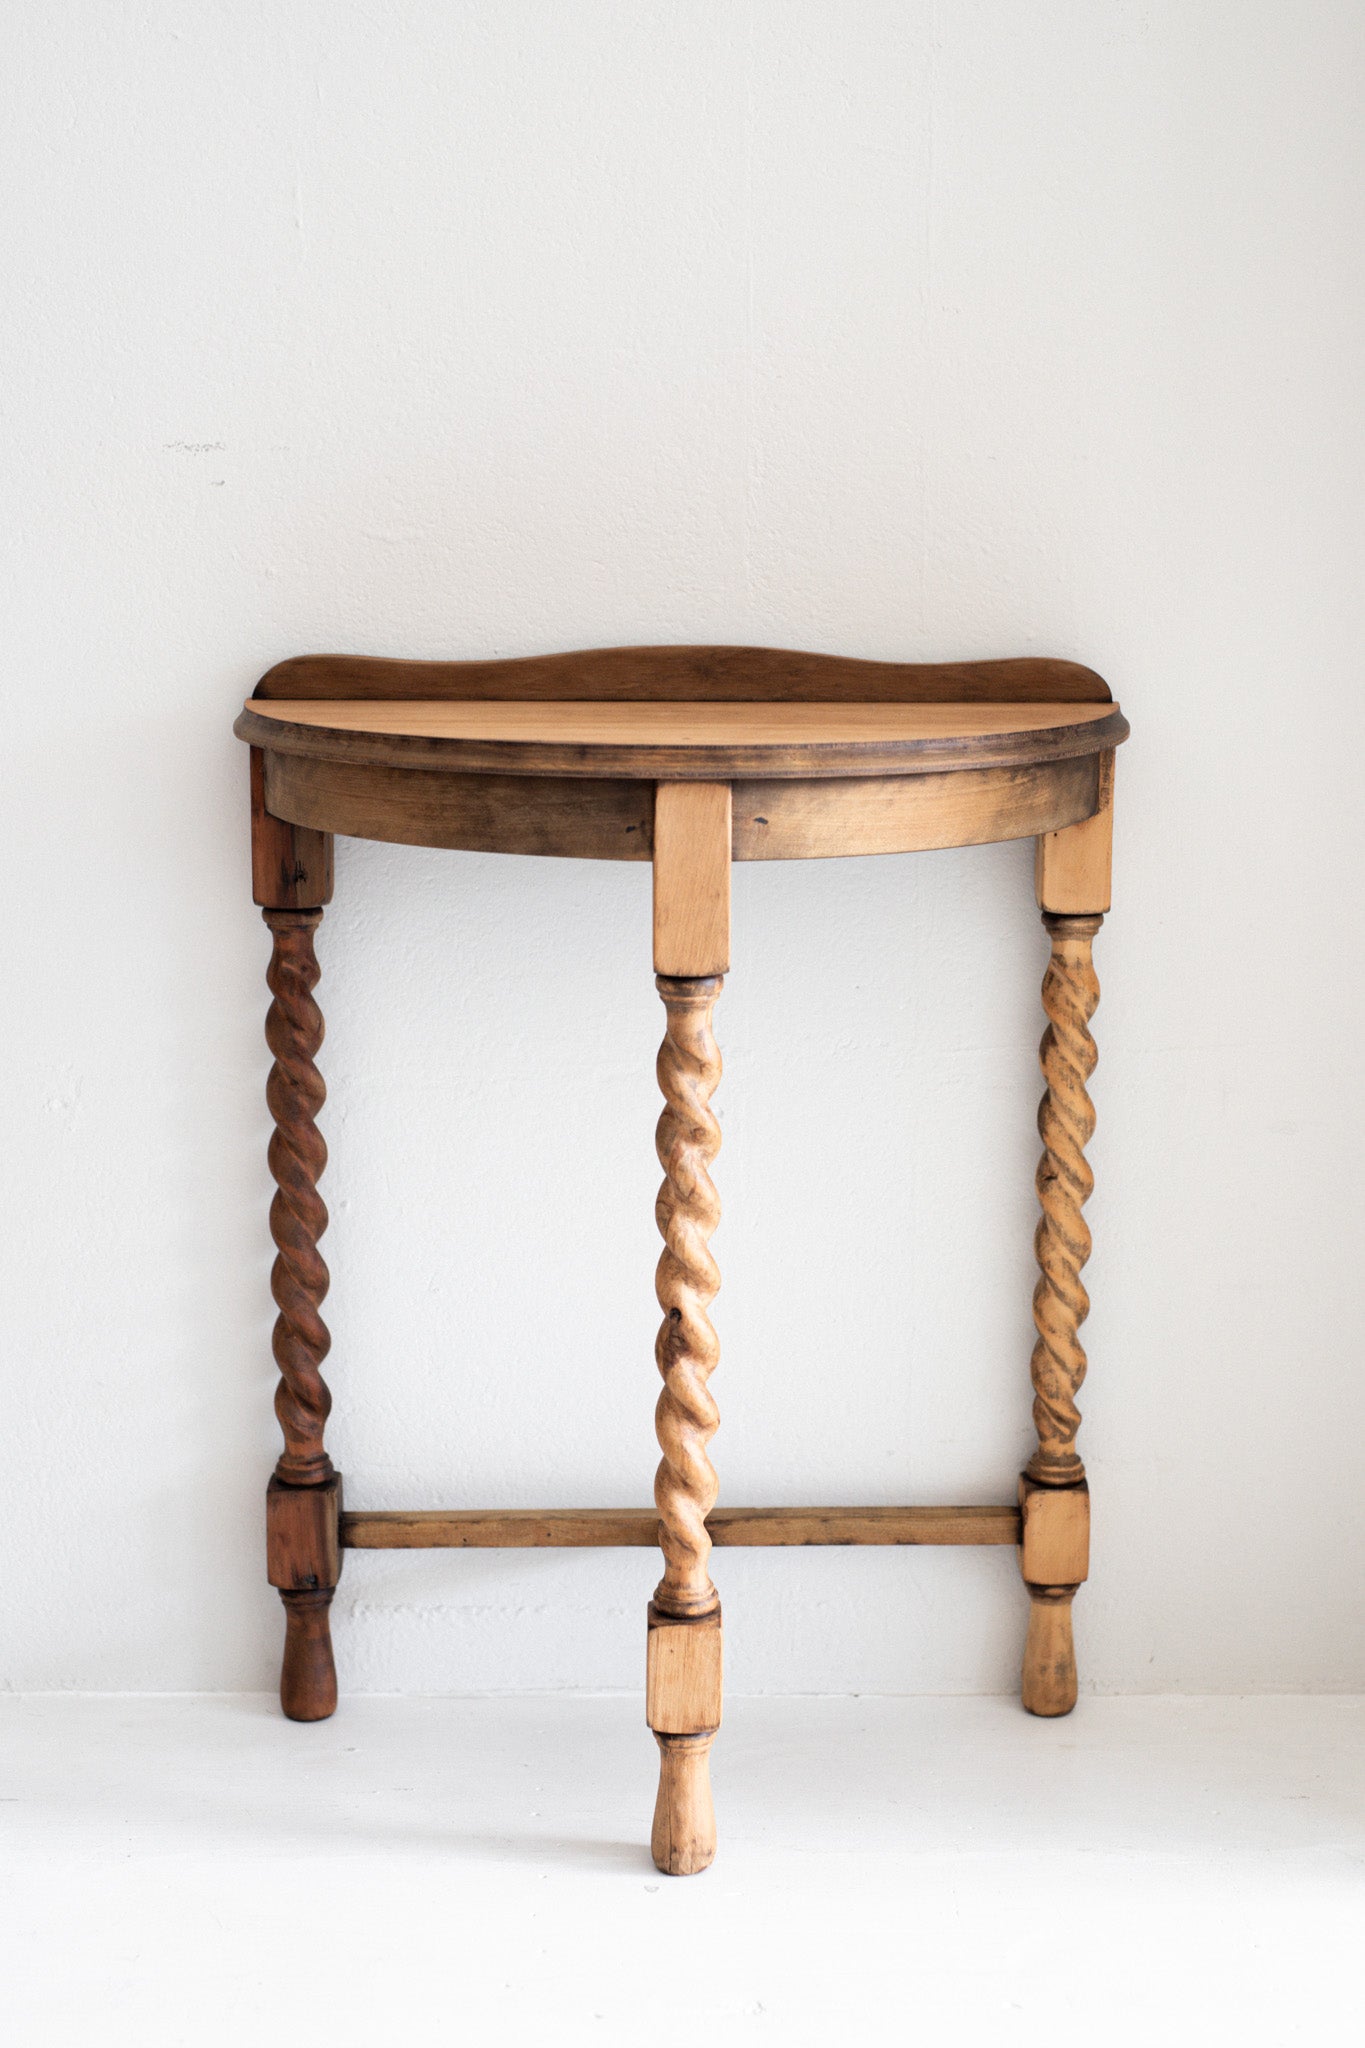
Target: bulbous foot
{"type": "Point", "coordinates": [308, 1680]}
{"type": "Point", "coordinates": [683, 1840]}
{"type": "Point", "coordinates": [1049, 1685]}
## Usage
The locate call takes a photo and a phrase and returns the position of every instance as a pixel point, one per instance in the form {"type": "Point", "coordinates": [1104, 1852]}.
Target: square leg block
{"type": "Point", "coordinates": [1054, 1548]}
{"type": "Point", "coordinates": [302, 1535]}
{"type": "Point", "coordinates": [683, 1674]}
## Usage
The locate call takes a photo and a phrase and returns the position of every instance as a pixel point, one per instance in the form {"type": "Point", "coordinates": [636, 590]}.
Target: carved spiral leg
{"type": "Point", "coordinates": [684, 1676]}
{"type": "Point", "coordinates": [687, 1281]}
{"type": "Point", "coordinates": [298, 1215]}
{"type": "Point", "coordinates": [305, 1497]}
{"type": "Point", "coordinates": [1053, 1492]}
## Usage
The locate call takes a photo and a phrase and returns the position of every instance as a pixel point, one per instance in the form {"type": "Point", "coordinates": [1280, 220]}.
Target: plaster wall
{"type": "Point", "coordinates": [891, 329]}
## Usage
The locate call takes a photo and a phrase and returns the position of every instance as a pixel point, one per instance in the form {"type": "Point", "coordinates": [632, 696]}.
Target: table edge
{"type": "Point", "coordinates": [803, 760]}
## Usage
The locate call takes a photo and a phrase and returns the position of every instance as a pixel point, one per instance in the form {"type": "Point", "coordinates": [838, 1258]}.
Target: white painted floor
{"type": "Point", "coordinates": [199, 1870]}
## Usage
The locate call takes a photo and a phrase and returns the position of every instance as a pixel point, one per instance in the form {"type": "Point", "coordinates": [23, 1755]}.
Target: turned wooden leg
{"type": "Point", "coordinates": [683, 1688]}
{"type": "Point", "coordinates": [304, 1499]}
{"type": "Point", "coordinates": [684, 1671]}
{"type": "Point", "coordinates": [298, 1215]}
{"type": "Point", "coordinates": [303, 1547]}
{"type": "Point", "coordinates": [1073, 871]}
{"type": "Point", "coordinates": [682, 1840]}
{"type": "Point", "coordinates": [1054, 1557]}
{"type": "Point", "coordinates": [1066, 1120]}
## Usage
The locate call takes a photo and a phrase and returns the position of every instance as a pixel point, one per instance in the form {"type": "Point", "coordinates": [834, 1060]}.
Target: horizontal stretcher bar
{"type": "Point", "coordinates": [622, 1528]}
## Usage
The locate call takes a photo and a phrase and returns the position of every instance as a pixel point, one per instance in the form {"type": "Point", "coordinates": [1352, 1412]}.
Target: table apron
{"type": "Point", "coordinates": [612, 818]}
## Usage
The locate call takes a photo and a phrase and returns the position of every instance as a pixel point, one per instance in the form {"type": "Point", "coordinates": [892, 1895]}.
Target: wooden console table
{"type": "Point", "coordinates": [689, 757]}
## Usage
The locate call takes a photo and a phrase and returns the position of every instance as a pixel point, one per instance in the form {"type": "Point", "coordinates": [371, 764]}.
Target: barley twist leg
{"type": "Point", "coordinates": [684, 1677]}
{"type": "Point", "coordinates": [298, 1215]}
{"type": "Point", "coordinates": [1053, 1490]}
{"type": "Point", "coordinates": [1066, 1123]}
{"type": "Point", "coordinates": [305, 1486]}
{"type": "Point", "coordinates": [686, 1281]}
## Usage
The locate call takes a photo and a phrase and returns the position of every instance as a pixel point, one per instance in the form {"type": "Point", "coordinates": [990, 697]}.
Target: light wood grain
{"type": "Point", "coordinates": [683, 1707]}
{"type": "Point", "coordinates": [692, 851]}
{"type": "Point", "coordinates": [692, 879]}
{"type": "Point", "coordinates": [682, 1840]}
{"type": "Point", "coordinates": [638, 1528]}
{"type": "Point", "coordinates": [686, 1281]}
{"type": "Point", "coordinates": [681, 725]}
{"type": "Point", "coordinates": [1049, 1682]}
{"type": "Point", "coordinates": [1054, 1552]}
{"type": "Point", "coordinates": [830, 819]}
{"type": "Point", "coordinates": [1066, 1123]}
{"type": "Point", "coordinates": [683, 1674]}
{"type": "Point", "coordinates": [1073, 866]}
{"type": "Point", "coordinates": [740, 674]}
{"type": "Point", "coordinates": [682, 741]}
{"type": "Point", "coordinates": [1054, 1547]}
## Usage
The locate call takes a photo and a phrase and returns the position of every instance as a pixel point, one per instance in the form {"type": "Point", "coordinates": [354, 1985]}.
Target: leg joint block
{"type": "Point", "coordinates": [1054, 1546]}
{"type": "Point", "coordinates": [302, 1525]}
{"type": "Point", "coordinates": [683, 1674]}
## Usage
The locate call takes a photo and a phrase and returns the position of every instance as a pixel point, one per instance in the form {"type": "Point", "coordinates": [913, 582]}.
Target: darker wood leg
{"type": "Point", "coordinates": [308, 1674]}
{"type": "Point", "coordinates": [298, 1214]}
{"type": "Point", "coordinates": [292, 876]}
{"type": "Point", "coordinates": [303, 1547]}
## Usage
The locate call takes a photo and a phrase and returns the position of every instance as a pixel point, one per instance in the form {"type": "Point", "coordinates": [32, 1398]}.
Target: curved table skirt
{"type": "Point", "coordinates": [613, 818]}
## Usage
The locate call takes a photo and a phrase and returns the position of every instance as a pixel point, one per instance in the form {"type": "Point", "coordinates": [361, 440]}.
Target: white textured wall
{"type": "Point", "coordinates": [896, 329]}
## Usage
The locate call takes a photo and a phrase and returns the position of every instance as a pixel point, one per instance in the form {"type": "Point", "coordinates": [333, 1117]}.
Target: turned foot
{"type": "Point", "coordinates": [308, 1678]}
{"type": "Point", "coordinates": [304, 1551]}
{"type": "Point", "coordinates": [683, 1840]}
{"type": "Point", "coordinates": [1054, 1556]}
{"type": "Point", "coordinates": [1049, 1682]}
